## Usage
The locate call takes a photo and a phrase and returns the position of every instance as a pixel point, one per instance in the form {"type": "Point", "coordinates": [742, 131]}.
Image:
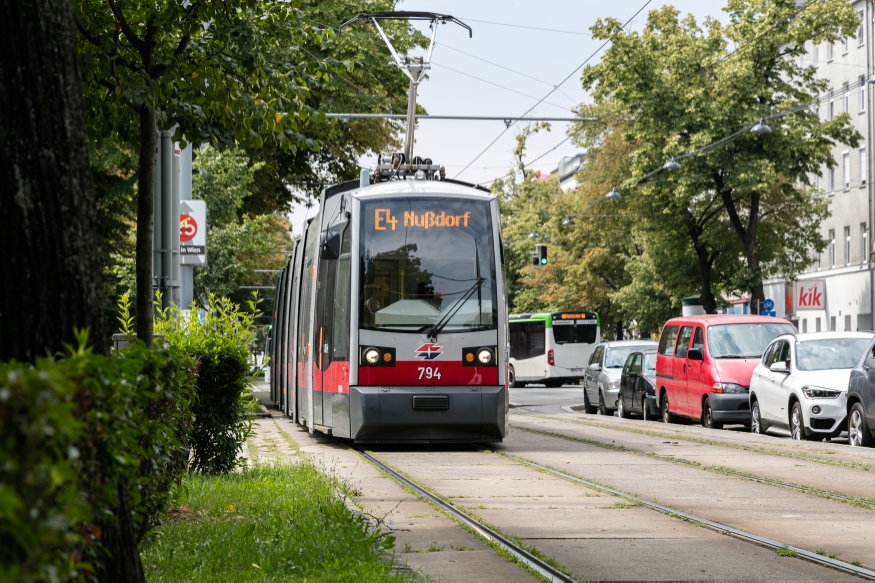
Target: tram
{"type": "Point", "coordinates": [390, 321]}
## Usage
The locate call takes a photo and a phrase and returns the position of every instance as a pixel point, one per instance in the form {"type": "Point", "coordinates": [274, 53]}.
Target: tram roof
{"type": "Point", "coordinates": [423, 187]}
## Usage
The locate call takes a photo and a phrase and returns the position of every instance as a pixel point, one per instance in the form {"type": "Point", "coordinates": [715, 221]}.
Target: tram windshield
{"type": "Point", "coordinates": [424, 259]}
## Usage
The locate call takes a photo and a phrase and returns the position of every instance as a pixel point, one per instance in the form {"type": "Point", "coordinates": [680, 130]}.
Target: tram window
{"type": "Point", "coordinates": [340, 334]}
{"type": "Point", "coordinates": [424, 257]}
{"type": "Point", "coordinates": [537, 338]}
{"type": "Point", "coordinates": [574, 333]}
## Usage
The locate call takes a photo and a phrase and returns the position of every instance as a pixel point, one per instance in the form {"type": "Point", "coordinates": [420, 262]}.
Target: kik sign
{"type": "Point", "coordinates": [809, 295]}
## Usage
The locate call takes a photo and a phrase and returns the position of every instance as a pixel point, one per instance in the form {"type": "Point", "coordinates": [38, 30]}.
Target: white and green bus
{"type": "Point", "coordinates": [552, 349]}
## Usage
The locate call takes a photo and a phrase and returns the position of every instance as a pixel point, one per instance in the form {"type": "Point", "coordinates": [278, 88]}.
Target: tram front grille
{"type": "Point", "coordinates": [431, 402]}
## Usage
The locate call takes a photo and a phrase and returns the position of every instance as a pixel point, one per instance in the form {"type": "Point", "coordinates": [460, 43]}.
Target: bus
{"type": "Point", "coordinates": [551, 348]}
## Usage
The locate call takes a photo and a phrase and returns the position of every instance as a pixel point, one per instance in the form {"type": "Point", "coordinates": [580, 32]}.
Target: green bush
{"type": "Point", "coordinates": [219, 343]}
{"type": "Point", "coordinates": [90, 449]}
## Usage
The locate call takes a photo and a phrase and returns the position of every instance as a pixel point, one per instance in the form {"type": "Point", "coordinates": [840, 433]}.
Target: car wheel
{"type": "Point", "coordinates": [708, 416]}
{"type": "Point", "coordinates": [756, 422]}
{"type": "Point", "coordinates": [667, 416]}
{"type": "Point", "coordinates": [797, 425]}
{"type": "Point", "coordinates": [602, 409]}
{"type": "Point", "coordinates": [587, 406]}
{"type": "Point", "coordinates": [621, 409]}
{"type": "Point", "coordinates": [858, 430]}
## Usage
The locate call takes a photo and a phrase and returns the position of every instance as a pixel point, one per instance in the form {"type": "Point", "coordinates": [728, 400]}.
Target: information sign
{"type": "Point", "coordinates": [193, 232]}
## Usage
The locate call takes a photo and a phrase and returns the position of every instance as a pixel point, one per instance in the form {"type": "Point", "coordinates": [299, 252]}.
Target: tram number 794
{"type": "Point", "coordinates": [427, 372]}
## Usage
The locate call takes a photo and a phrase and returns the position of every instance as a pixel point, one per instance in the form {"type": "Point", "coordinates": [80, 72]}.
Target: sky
{"type": "Point", "coordinates": [525, 62]}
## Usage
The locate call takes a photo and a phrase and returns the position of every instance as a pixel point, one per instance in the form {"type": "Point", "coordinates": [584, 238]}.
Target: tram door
{"type": "Point", "coordinates": [331, 370]}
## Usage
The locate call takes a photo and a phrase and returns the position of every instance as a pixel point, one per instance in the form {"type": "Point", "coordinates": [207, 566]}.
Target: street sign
{"type": "Point", "coordinates": [768, 305]}
{"type": "Point", "coordinates": [810, 295]}
{"type": "Point", "coordinates": [193, 232]}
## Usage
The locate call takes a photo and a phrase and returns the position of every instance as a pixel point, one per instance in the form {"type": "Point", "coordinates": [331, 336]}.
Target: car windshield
{"type": "Point", "coordinates": [650, 364]}
{"type": "Point", "coordinates": [616, 357]}
{"type": "Point", "coordinates": [744, 340]}
{"type": "Point", "coordinates": [424, 258]}
{"type": "Point", "coordinates": [830, 353]}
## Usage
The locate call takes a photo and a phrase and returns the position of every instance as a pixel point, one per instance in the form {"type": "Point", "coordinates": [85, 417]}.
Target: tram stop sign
{"type": "Point", "coordinates": [193, 232]}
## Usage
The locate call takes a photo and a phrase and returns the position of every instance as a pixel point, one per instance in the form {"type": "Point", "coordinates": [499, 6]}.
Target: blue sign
{"type": "Point", "coordinates": [768, 305]}
{"type": "Point", "coordinates": [770, 313]}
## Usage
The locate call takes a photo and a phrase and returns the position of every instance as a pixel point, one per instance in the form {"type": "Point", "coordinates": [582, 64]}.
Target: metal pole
{"type": "Point", "coordinates": [411, 115]}
{"type": "Point", "coordinates": [166, 216]}
{"type": "Point", "coordinates": [157, 207]}
{"type": "Point", "coordinates": [173, 226]}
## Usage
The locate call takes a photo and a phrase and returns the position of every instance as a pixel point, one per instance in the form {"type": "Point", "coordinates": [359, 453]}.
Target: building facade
{"type": "Point", "coordinates": [844, 270]}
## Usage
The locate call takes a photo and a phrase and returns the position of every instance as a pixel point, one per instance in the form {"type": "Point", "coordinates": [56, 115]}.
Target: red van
{"type": "Point", "coordinates": [704, 365]}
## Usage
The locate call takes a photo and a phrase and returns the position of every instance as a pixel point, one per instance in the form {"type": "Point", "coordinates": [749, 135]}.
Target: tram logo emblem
{"type": "Point", "coordinates": [428, 351]}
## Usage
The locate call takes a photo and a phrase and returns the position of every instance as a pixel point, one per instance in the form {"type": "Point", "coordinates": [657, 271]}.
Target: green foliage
{"type": "Point", "coordinates": [283, 522]}
{"type": "Point", "coordinates": [223, 179]}
{"type": "Point", "coordinates": [219, 342]}
{"type": "Point", "coordinates": [125, 320]}
{"type": "Point", "coordinates": [81, 438]}
{"type": "Point", "coordinates": [676, 88]}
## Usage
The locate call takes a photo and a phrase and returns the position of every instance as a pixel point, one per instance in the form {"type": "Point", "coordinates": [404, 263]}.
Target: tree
{"type": "Point", "coordinates": [216, 71]}
{"type": "Point", "coordinates": [681, 89]}
{"type": "Point", "coordinates": [51, 280]}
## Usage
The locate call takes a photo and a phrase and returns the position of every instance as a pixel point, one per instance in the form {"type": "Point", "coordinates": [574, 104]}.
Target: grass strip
{"type": "Point", "coordinates": [268, 523]}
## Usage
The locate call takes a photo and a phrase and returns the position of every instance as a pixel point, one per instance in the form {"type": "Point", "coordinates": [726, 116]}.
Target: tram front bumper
{"type": "Point", "coordinates": [438, 414]}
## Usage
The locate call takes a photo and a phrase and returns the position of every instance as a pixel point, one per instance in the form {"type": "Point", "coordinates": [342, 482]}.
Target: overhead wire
{"type": "Point", "coordinates": [528, 27]}
{"type": "Point", "coordinates": [549, 93]}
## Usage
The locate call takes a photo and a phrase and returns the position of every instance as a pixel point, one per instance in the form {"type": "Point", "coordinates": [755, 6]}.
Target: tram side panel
{"type": "Point", "coordinates": [274, 339]}
{"type": "Point", "coordinates": [281, 333]}
{"type": "Point", "coordinates": [294, 280]}
{"type": "Point", "coordinates": [294, 329]}
{"type": "Point", "coordinates": [288, 406]}
{"type": "Point", "coordinates": [305, 333]}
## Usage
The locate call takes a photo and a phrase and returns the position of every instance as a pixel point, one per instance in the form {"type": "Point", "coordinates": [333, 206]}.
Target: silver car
{"type": "Point", "coordinates": [601, 383]}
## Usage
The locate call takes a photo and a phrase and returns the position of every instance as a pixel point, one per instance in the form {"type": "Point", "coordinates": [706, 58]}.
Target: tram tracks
{"type": "Point", "coordinates": [549, 572]}
{"type": "Point", "coordinates": [533, 562]}
{"type": "Point", "coordinates": [713, 525]}
{"type": "Point", "coordinates": [827, 494]}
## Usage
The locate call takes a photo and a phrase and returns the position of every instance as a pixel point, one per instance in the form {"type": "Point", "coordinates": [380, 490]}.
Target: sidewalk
{"type": "Point", "coordinates": [427, 541]}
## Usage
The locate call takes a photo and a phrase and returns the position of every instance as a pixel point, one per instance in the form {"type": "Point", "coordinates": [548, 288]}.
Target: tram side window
{"type": "Point", "coordinates": [342, 299]}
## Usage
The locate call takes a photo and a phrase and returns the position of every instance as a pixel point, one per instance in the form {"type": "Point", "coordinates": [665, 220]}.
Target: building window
{"type": "Point", "coordinates": [832, 324]}
{"type": "Point", "coordinates": [845, 44]}
{"type": "Point", "coordinates": [830, 108]}
{"type": "Point", "coordinates": [864, 166]}
{"type": "Point", "coordinates": [804, 326]}
{"type": "Point", "coordinates": [832, 248]}
{"type": "Point", "coordinates": [846, 98]}
{"type": "Point", "coordinates": [846, 169]}
{"type": "Point", "coordinates": [831, 178]}
{"type": "Point", "coordinates": [817, 324]}
{"type": "Point", "coordinates": [817, 182]}
{"type": "Point", "coordinates": [847, 245]}
{"type": "Point", "coordinates": [862, 82]}
{"type": "Point", "coordinates": [864, 243]}
{"type": "Point", "coordinates": [815, 53]}
{"type": "Point", "coordinates": [829, 49]}
{"type": "Point", "coordinates": [861, 30]}
{"type": "Point", "coordinates": [848, 323]}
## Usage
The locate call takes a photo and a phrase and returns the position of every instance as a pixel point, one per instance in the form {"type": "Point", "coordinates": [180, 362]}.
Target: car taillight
{"type": "Point", "coordinates": [550, 360]}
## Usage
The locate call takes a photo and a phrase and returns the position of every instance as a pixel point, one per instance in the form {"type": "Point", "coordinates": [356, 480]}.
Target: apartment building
{"type": "Point", "coordinates": [844, 271]}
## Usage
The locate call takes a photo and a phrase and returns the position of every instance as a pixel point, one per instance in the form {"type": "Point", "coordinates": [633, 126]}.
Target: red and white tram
{"type": "Point", "coordinates": [390, 321]}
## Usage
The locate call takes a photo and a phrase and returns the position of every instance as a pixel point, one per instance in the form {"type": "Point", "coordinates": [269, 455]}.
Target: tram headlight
{"type": "Point", "coordinates": [484, 356]}
{"type": "Point", "coordinates": [372, 355]}
{"type": "Point", "coordinates": [480, 356]}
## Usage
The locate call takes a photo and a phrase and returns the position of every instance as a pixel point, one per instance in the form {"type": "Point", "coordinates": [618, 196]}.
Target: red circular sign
{"type": "Point", "coordinates": [187, 228]}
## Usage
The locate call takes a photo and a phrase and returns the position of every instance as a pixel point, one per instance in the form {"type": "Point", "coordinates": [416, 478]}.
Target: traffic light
{"type": "Point", "coordinates": [536, 260]}
{"type": "Point", "coordinates": [541, 254]}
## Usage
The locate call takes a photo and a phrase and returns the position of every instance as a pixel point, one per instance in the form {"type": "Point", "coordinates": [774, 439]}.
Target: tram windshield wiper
{"type": "Point", "coordinates": [438, 326]}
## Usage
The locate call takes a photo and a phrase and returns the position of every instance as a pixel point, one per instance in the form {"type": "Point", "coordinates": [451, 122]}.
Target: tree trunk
{"type": "Point", "coordinates": [51, 272]}
{"type": "Point", "coordinates": [748, 239]}
{"type": "Point", "coordinates": [145, 226]}
{"type": "Point", "coordinates": [706, 263]}
{"type": "Point", "coordinates": [120, 557]}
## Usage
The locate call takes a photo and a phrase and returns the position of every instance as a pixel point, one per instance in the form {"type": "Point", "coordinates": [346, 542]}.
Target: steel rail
{"type": "Point", "coordinates": [870, 504]}
{"type": "Point", "coordinates": [541, 567]}
{"type": "Point", "coordinates": [717, 526]}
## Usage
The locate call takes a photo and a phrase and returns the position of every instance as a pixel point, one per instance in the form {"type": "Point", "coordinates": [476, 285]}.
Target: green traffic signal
{"type": "Point", "coordinates": [543, 261]}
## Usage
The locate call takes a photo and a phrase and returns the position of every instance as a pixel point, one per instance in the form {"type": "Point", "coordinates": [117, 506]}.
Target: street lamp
{"type": "Point", "coordinates": [761, 129]}
{"type": "Point", "coordinates": [534, 235]}
{"type": "Point", "coordinates": [569, 219]}
{"type": "Point", "coordinates": [671, 165]}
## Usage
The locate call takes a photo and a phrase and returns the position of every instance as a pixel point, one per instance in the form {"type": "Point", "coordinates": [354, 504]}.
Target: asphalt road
{"type": "Point", "coordinates": [817, 497]}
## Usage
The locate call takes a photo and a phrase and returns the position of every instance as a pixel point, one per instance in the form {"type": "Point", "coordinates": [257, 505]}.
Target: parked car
{"type": "Point", "coordinates": [801, 383]}
{"type": "Point", "coordinates": [861, 401]}
{"type": "Point", "coordinates": [601, 380]}
{"type": "Point", "coordinates": [638, 386]}
{"type": "Point", "coordinates": [704, 365]}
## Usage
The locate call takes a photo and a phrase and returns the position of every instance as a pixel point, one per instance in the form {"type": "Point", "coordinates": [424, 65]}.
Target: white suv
{"type": "Point", "coordinates": [801, 383]}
